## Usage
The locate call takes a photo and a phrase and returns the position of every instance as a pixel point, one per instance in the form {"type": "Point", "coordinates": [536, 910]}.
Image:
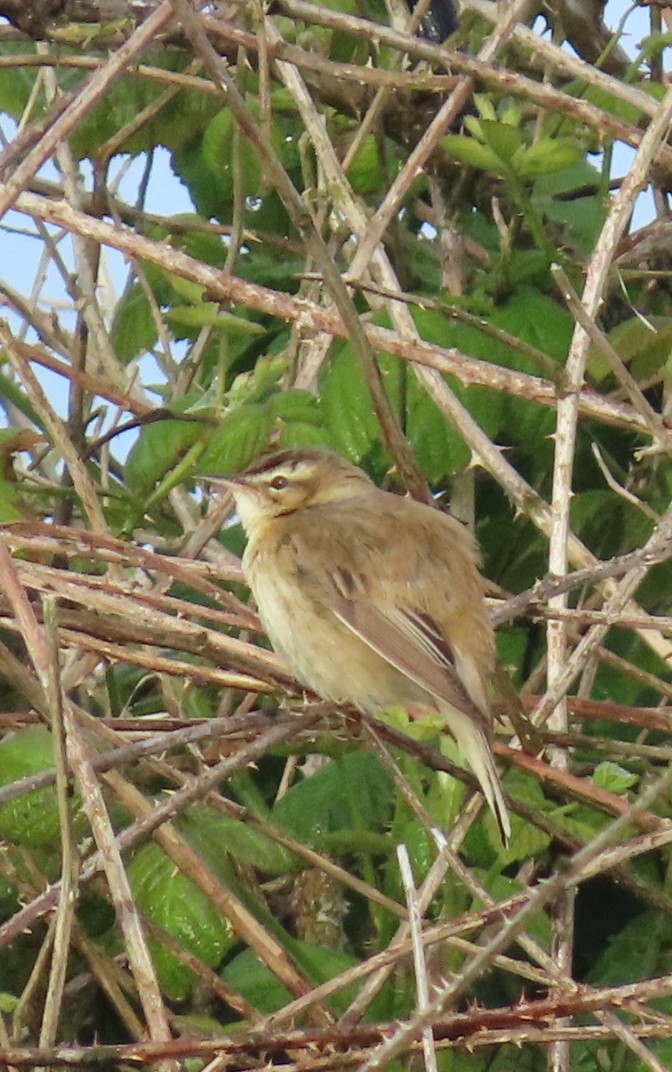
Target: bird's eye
{"type": "Point", "coordinates": [279, 483]}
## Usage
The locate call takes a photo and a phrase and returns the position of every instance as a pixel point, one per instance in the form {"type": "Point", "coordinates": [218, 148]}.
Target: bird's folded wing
{"type": "Point", "coordinates": [413, 643]}
{"type": "Point", "coordinates": [359, 589]}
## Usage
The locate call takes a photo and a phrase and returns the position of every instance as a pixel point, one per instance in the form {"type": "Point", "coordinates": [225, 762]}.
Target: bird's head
{"type": "Point", "coordinates": [292, 480]}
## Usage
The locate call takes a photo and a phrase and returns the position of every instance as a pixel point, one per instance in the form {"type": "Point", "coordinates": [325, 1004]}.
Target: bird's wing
{"type": "Point", "coordinates": [362, 589]}
{"type": "Point", "coordinates": [414, 645]}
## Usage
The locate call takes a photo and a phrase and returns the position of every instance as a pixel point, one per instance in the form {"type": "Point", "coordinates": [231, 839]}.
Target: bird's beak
{"type": "Point", "coordinates": [232, 484]}
{"type": "Point", "coordinates": [223, 483]}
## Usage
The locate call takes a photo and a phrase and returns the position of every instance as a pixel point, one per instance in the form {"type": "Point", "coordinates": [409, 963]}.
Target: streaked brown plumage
{"type": "Point", "coordinates": [370, 597]}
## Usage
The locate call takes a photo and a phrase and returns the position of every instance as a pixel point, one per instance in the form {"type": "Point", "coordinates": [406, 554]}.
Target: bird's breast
{"type": "Point", "coordinates": [322, 652]}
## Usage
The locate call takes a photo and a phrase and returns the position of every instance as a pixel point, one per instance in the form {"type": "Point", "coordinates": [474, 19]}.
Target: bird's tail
{"type": "Point", "coordinates": [474, 745]}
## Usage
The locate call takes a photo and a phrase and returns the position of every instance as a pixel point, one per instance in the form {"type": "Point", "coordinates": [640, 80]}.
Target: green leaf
{"type": "Point", "coordinates": [32, 819]}
{"type": "Point", "coordinates": [186, 288]}
{"type": "Point", "coordinates": [439, 448]}
{"type": "Point", "coordinates": [365, 173]}
{"type": "Point", "coordinates": [201, 245]}
{"type": "Point", "coordinates": [612, 777]}
{"type": "Point", "coordinates": [179, 118]}
{"type": "Point", "coordinates": [211, 191]}
{"type": "Point", "coordinates": [255, 982]}
{"type": "Point", "coordinates": [351, 791]}
{"type": "Point", "coordinates": [158, 449]}
{"type": "Point", "coordinates": [300, 418]}
{"type": "Point", "coordinates": [471, 152]}
{"type": "Point", "coordinates": [527, 839]}
{"type": "Point", "coordinates": [545, 156]}
{"type": "Point", "coordinates": [506, 1058]}
{"type": "Point", "coordinates": [242, 434]}
{"type": "Point", "coordinates": [346, 405]}
{"type": "Point", "coordinates": [662, 1048]}
{"type": "Point", "coordinates": [634, 953]}
{"type": "Point", "coordinates": [583, 822]}
{"type": "Point", "coordinates": [12, 392]}
{"type": "Point", "coordinates": [261, 988]}
{"type": "Point", "coordinates": [571, 198]}
{"type": "Point", "coordinates": [538, 926]}
{"type": "Point", "coordinates": [609, 102]}
{"type": "Point", "coordinates": [644, 344]}
{"type": "Point", "coordinates": [484, 404]}
{"type": "Point", "coordinates": [9, 496]}
{"type": "Point", "coordinates": [535, 318]}
{"type": "Point", "coordinates": [174, 902]}
{"type": "Point", "coordinates": [303, 434]}
{"type": "Point", "coordinates": [652, 45]}
{"type": "Point", "coordinates": [17, 84]}
{"type": "Point", "coordinates": [213, 833]}
{"type": "Point", "coordinates": [485, 106]}
{"type": "Point", "coordinates": [134, 330]}
{"type": "Point", "coordinates": [504, 140]}
{"type": "Point", "coordinates": [295, 405]}
{"type": "Point", "coordinates": [218, 153]}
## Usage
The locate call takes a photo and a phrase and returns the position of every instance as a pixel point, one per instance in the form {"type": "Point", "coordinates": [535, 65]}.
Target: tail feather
{"type": "Point", "coordinates": [474, 744]}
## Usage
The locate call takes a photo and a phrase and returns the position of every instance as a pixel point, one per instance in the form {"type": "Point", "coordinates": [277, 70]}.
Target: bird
{"type": "Point", "coordinates": [371, 598]}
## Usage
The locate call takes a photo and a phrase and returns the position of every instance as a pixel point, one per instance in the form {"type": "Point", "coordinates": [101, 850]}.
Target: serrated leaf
{"type": "Point", "coordinates": [609, 102]}
{"type": "Point", "coordinates": [634, 952]}
{"type": "Point", "coordinates": [178, 120]}
{"type": "Point", "coordinates": [643, 344]}
{"type": "Point", "coordinates": [650, 47]}
{"type": "Point", "coordinates": [504, 140]}
{"type": "Point", "coordinates": [581, 215]}
{"type": "Point", "coordinates": [471, 152]}
{"type": "Point", "coordinates": [485, 405]}
{"type": "Point", "coordinates": [437, 445]}
{"type": "Point", "coordinates": [17, 85]}
{"type": "Point", "coordinates": [614, 778]}
{"type": "Point", "coordinates": [213, 833]}
{"type": "Point", "coordinates": [134, 330]}
{"type": "Point", "coordinates": [218, 139]}
{"type": "Point", "coordinates": [211, 191]}
{"type": "Point", "coordinates": [174, 902]}
{"type": "Point", "coordinates": [294, 404]}
{"type": "Point", "coordinates": [485, 106]}
{"type": "Point", "coordinates": [365, 171]}
{"type": "Point", "coordinates": [158, 449]}
{"type": "Point", "coordinates": [202, 245]}
{"type": "Point", "coordinates": [411, 832]}
{"type": "Point", "coordinates": [593, 515]}
{"type": "Point", "coordinates": [218, 153]}
{"type": "Point", "coordinates": [545, 156]}
{"type": "Point", "coordinates": [352, 791]}
{"type": "Point", "coordinates": [527, 840]}
{"type": "Point", "coordinates": [535, 318]}
{"type": "Point", "coordinates": [186, 288]}
{"type": "Point", "coordinates": [30, 820]}
{"type": "Point", "coordinates": [12, 392]}
{"type": "Point", "coordinates": [583, 822]}
{"type": "Point", "coordinates": [502, 887]}
{"type": "Point", "coordinates": [261, 988]}
{"type": "Point", "coordinates": [242, 434]}
{"type": "Point", "coordinates": [302, 434]}
{"type": "Point", "coordinates": [346, 405]}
